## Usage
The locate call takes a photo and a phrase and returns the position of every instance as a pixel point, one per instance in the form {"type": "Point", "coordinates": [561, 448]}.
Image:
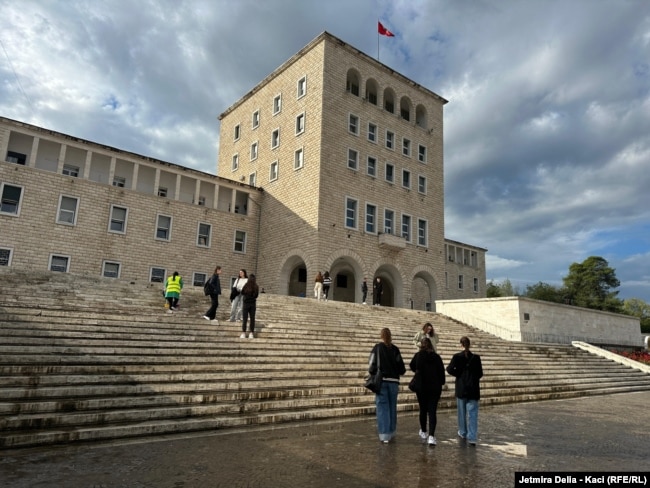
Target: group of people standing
{"type": "Point", "coordinates": [427, 383]}
{"type": "Point", "coordinates": [322, 284]}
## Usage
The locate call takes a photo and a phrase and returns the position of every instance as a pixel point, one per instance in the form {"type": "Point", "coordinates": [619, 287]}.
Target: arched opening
{"type": "Point", "coordinates": [423, 292]}
{"type": "Point", "coordinates": [389, 100]}
{"type": "Point", "coordinates": [293, 276]}
{"type": "Point", "coordinates": [421, 116]}
{"type": "Point", "coordinates": [405, 108]}
{"type": "Point", "coordinates": [353, 82]}
{"type": "Point", "coordinates": [372, 90]}
{"type": "Point", "coordinates": [392, 286]}
{"type": "Point", "coordinates": [346, 280]}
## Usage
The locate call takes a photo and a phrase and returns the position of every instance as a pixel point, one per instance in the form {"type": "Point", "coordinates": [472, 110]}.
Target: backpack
{"type": "Point", "coordinates": [207, 287]}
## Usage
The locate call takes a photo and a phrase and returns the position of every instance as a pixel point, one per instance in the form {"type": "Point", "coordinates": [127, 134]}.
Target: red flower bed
{"type": "Point", "coordinates": [641, 356]}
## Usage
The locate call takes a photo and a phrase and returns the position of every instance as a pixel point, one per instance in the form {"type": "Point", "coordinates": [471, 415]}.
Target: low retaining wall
{"type": "Point", "coordinates": [524, 320]}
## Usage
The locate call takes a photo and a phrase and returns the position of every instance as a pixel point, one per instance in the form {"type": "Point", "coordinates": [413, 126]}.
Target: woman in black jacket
{"type": "Point", "coordinates": [249, 294]}
{"type": "Point", "coordinates": [429, 378]}
{"type": "Point", "coordinates": [386, 357]}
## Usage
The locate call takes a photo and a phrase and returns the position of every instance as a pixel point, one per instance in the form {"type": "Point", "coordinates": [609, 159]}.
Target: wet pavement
{"type": "Point", "coordinates": [603, 433]}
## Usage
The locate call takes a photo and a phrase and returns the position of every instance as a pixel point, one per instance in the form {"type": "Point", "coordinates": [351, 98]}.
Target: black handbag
{"type": "Point", "coordinates": [234, 293]}
{"type": "Point", "coordinates": [373, 381]}
{"type": "Point", "coordinates": [413, 383]}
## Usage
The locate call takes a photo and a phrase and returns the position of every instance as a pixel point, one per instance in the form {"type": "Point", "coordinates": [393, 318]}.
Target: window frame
{"type": "Point", "coordinates": [406, 147]}
{"type": "Point", "coordinates": [236, 132]}
{"type": "Point", "coordinates": [168, 229]}
{"type": "Point", "coordinates": [273, 175]}
{"type": "Point", "coordinates": [422, 153]}
{"type": "Point", "coordinates": [461, 282]}
{"type": "Point", "coordinates": [372, 133]}
{"type": "Point", "coordinates": [422, 184]}
{"type": "Point", "coordinates": [155, 270]}
{"type": "Point", "coordinates": [355, 216]}
{"type": "Point", "coordinates": [406, 220]}
{"type": "Point", "coordinates": [119, 269]}
{"type": "Point", "coordinates": [119, 181]}
{"type": "Point", "coordinates": [301, 87]}
{"type": "Point", "coordinates": [372, 174]}
{"type": "Point", "coordinates": [70, 170]}
{"type": "Point", "coordinates": [277, 104]}
{"type": "Point", "coordinates": [255, 150]}
{"type": "Point", "coordinates": [353, 162]}
{"type": "Point", "coordinates": [10, 252]}
{"type": "Point", "coordinates": [5, 202]}
{"type": "Point", "coordinates": [390, 180]}
{"type": "Point", "coordinates": [423, 240]}
{"type": "Point", "coordinates": [390, 140]}
{"type": "Point", "coordinates": [234, 166]}
{"type": "Point", "coordinates": [111, 219]}
{"type": "Point", "coordinates": [239, 242]}
{"type": "Point", "coordinates": [354, 122]}
{"type": "Point", "coordinates": [373, 224]}
{"type": "Point", "coordinates": [54, 256]}
{"type": "Point", "coordinates": [207, 237]}
{"type": "Point", "coordinates": [389, 230]}
{"type": "Point", "coordinates": [199, 278]}
{"type": "Point", "coordinates": [299, 157]}
{"type": "Point", "coordinates": [255, 119]}
{"type": "Point", "coordinates": [252, 179]}
{"type": "Point", "coordinates": [300, 123]}
{"type": "Point", "coordinates": [275, 138]}
{"type": "Point", "coordinates": [406, 178]}
{"type": "Point", "coordinates": [75, 212]}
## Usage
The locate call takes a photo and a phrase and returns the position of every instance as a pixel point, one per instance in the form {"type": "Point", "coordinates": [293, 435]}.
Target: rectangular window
{"type": "Point", "coordinates": [256, 119]}
{"type": "Point", "coordinates": [111, 270]}
{"type": "Point", "coordinates": [372, 132]}
{"type": "Point", "coordinates": [240, 241]}
{"type": "Point", "coordinates": [406, 178]}
{"type": "Point", "coordinates": [475, 285]}
{"type": "Point", "coordinates": [252, 179]}
{"type": "Point", "coordinates": [352, 87]}
{"type": "Point", "coordinates": [273, 172]}
{"type": "Point", "coordinates": [460, 282]}
{"type": "Point", "coordinates": [353, 124]}
{"type": "Point", "coordinates": [277, 104]}
{"type": "Point", "coordinates": [353, 159]}
{"type": "Point", "coordinates": [390, 173]}
{"type": "Point", "coordinates": [422, 153]}
{"type": "Point", "coordinates": [203, 238]}
{"type": "Point", "coordinates": [254, 151]}
{"type": "Point", "coordinates": [16, 158]}
{"type": "Point", "coordinates": [371, 218]}
{"type": "Point", "coordinates": [390, 140]}
{"type": "Point", "coordinates": [406, 227]}
{"type": "Point", "coordinates": [422, 233]}
{"type": "Point", "coordinates": [235, 162]}
{"type": "Point", "coordinates": [298, 159]}
{"type": "Point", "coordinates": [301, 89]}
{"type": "Point", "coordinates": [60, 264]}
{"type": "Point", "coordinates": [119, 182]}
{"type": "Point", "coordinates": [351, 206]}
{"type": "Point", "coordinates": [118, 220]}
{"type": "Point", "coordinates": [275, 138]}
{"type": "Point", "coordinates": [198, 279]}
{"type": "Point", "coordinates": [237, 133]}
{"type": "Point", "coordinates": [70, 170]}
{"type": "Point", "coordinates": [389, 221]}
{"type": "Point", "coordinates": [67, 210]}
{"type": "Point", "coordinates": [164, 227]}
{"type": "Point", "coordinates": [372, 166]}
{"type": "Point", "coordinates": [300, 123]}
{"type": "Point", "coordinates": [422, 184]}
{"type": "Point", "coordinates": [157, 275]}
{"type": "Point", "coordinates": [406, 147]}
{"type": "Point", "coordinates": [5, 257]}
{"type": "Point", "coordinates": [162, 191]}
{"type": "Point", "coordinates": [10, 199]}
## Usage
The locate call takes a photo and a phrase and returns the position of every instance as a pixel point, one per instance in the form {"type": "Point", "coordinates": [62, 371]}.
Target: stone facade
{"type": "Point", "coordinates": [333, 162]}
{"type": "Point", "coordinates": [367, 197]}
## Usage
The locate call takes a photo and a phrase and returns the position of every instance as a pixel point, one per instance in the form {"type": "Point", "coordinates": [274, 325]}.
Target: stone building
{"type": "Point", "coordinates": [333, 162]}
{"type": "Point", "coordinates": [349, 154]}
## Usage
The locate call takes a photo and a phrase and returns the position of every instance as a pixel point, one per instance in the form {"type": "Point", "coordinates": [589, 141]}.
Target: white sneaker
{"type": "Point", "coordinates": [364, 303]}
{"type": "Point", "coordinates": [423, 435]}
{"type": "Point", "coordinates": [206, 317]}
{"type": "Point", "coordinates": [216, 321]}
{"type": "Point", "coordinates": [432, 441]}
{"type": "Point", "coordinates": [170, 311]}
{"type": "Point", "coordinates": [251, 335]}
{"type": "Point", "coordinates": [243, 336]}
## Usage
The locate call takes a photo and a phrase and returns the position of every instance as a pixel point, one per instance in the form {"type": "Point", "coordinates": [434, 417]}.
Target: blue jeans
{"type": "Point", "coordinates": [386, 403]}
{"type": "Point", "coordinates": [467, 418]}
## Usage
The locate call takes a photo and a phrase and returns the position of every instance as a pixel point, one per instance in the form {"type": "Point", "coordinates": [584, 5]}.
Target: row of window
{"type": "Point", "coordinates": [110, 269]}
{"type": "Point", "coordinates": [301, 91]}
{"type": "Point", "coordinates": [372, 225]}
{"type": "Point", "coordinates": [461, 282]}
{"type": "Point", "coordinates": [389, 171]}
{"type": "Point", "coordinates": [68, 213]}
{"type": "Point", "coordinates": [298, 162]}
{"type": "Point", "coordinates": [390, 139]}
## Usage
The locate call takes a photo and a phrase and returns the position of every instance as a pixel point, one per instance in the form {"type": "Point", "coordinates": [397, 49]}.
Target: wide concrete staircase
{"type": "Point", "coordinates": [88, 359]}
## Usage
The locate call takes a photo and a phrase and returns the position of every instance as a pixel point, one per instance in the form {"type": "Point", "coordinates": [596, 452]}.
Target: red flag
{"type": "Point", "coordinates": [383, 31]}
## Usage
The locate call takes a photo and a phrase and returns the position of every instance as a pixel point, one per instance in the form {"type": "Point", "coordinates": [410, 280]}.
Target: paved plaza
{"type": "Point", "coordinates": [602, 433]}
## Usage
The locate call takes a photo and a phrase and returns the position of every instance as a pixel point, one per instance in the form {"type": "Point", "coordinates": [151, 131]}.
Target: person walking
{"type": "Point", "coordinates": [429, 332]}
{"type": "Point", "coordinates": [235, 296]}
{"type": "Point", "coordinates": [377, 291]}
{"type": "Point", "coordinates": [173, 287]}
{"type": "Point", "coordinates": [386, 357]}
{"type": "Point", "coordinates": [213, 288]}
{"type": "Point", "coordinates": [466, 367]}
{"type": "Point", "coordinates": [364, 290]}
{"type": "Point", "coordinates": [429, 378]}
{"type": "Point", "coordinates": [318, 286]}
{"type": "Point", "coordinates": [249, 294]}
{"type": "Point", "coordinates": [327, 282]}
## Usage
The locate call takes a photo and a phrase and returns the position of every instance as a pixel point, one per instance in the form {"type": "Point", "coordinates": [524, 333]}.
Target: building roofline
{"type": "Point", "coordinates": [451, 241]}
{"type": "Point", "coordinates": [320, 38]}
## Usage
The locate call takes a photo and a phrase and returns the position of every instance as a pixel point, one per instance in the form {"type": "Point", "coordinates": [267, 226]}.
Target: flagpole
{"type": "Point", "coordinates": [377, 40]}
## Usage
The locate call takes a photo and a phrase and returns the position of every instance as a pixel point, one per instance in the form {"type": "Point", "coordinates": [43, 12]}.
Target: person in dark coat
{"type": "Point", "coordinates": [249, 294]}
{"type": "Point", "coordinates": [466, 367]}
{"type": "Point", "coordinates": [214, 285]}
{"type": "Point", "coordinates": [377, 291]}
{"type": "Point", "coordinates": [429, 378]}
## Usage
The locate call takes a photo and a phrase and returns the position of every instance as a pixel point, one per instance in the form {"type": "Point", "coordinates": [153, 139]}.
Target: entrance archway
{"type": "Point", "coordinates": [423, 290]}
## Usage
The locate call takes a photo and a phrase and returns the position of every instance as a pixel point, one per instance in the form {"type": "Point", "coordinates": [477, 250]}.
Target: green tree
{"type": "Point", "coordinates": [544, 291]}
{"type": "Point", "coordinates": [589, 285]}
{"type": "Point", "coordinates": [638, 308]}
{"type": "Point", "coordinates": [492, 290]}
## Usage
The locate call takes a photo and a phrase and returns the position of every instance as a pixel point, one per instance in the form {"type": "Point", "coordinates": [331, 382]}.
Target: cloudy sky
{"type": "Point", "coordinates": [547, 129]}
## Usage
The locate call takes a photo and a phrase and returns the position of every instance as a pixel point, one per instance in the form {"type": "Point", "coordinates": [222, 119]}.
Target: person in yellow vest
{"type": "Point", "coordinates": [173, 287]}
